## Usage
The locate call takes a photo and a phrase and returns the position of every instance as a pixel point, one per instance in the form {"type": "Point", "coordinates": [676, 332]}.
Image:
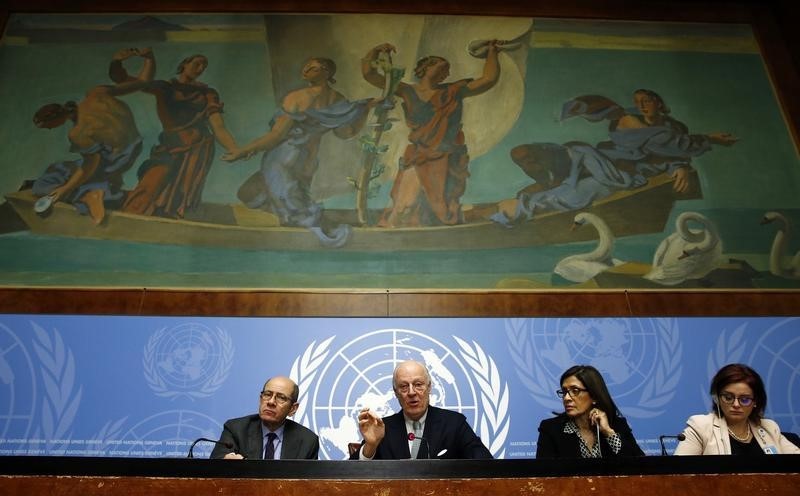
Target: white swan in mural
{"type": "Point", "coordinates": [687, 253]}
{"type": "Point", "coordinates": [780, 244]}
{"type": "Point", "coordinates": [584, 266]}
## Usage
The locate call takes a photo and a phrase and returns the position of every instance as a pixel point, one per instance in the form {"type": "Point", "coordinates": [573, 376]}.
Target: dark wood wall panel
{"type": "Point", "coordinates": [384, 304]}
{"type": "Point", "coordinates": [509, 304]}
{"type": "Point", "coordinates": [709, 303]}
{"type": "Point", "coordinates": [66, 301]}
{"type": "Point", "coordinates": [773, 484]}
{"type": "Point", "coordinates": [263, 303]}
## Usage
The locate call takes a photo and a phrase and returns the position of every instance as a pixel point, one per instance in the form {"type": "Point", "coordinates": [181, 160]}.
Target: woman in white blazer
{"type": "Point", "coordinates": [736, 425]}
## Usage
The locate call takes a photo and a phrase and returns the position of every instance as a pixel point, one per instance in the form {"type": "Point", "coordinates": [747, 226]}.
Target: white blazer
{"type": "Point", "coordinates": [708, 435]}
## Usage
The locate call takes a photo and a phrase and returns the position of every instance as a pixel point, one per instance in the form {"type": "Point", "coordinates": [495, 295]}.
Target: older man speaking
{"type": "Point", "coordinates": [418, 430]}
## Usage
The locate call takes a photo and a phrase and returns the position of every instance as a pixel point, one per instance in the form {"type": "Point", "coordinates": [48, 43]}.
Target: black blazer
{"type": "Point", "coordinates": [555, 443]}
{"type": "Point", "coordinates": [244, 433]}
{"type": "Point", "coordinates": [444, 429]}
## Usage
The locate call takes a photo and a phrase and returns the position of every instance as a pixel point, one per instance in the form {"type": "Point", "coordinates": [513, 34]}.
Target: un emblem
{"type": "Point", "coordinates": [190, 359]}
{"type": "Point", "coordinates": [17, 390]}
{"type": "Point", "coordinates": [778, 349]}
{"type": "Point", "coordinates": [640, 359]}
{"type": "Point", "coordinates": [164, 434]}
{"type": "Point", "coordinates": [59, 400]}
{"type": "Point", "coordinates": [774, 356]}
{"type": "Point", "coordinates": [336, 384]}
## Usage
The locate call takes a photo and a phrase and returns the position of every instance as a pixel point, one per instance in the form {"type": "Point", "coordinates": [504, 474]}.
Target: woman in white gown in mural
{"type": "Point", "coordinates": [291, 145]}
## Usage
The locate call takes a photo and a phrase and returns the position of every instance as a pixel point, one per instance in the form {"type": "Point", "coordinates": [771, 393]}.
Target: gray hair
{"type": "Point", "coordinates": [422, 365]}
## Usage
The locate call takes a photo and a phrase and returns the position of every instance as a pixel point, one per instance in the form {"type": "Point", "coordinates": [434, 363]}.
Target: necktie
{"type": "Point", "coordinates": [269, 449]}
{"type": "Point", "coordinates": [417, 438]}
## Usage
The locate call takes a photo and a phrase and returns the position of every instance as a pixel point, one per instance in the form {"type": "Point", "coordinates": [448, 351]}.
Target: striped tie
{"type": "Point", "coordinates": [417, 438]}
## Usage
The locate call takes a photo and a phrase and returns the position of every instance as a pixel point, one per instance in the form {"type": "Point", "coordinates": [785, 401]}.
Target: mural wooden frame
{"type": "Point", "coordinates": [771, 24]}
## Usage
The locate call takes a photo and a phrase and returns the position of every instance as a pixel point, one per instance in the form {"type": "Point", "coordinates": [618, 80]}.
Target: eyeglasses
{"type": "Point", "coordinates": [280, 398]}
{"type": "Point", "coordinates": [574, 392]}
{"type": "Point", "coordinates": [405, 388]}
{"type": "Point", "coordinates": [728, 399]}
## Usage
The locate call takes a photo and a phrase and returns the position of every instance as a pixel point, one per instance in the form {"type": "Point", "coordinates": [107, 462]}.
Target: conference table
{"type": "Point", "coordinates": [646, 476]}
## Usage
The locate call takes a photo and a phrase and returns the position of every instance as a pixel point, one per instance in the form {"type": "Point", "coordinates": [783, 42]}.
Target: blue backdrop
{"type": "Point", "coordinates": [148, 386]}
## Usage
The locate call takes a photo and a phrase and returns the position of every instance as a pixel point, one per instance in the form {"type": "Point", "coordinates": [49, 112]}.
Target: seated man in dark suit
{"type": "Point", "coordinates": [269, 434]}
{"type": "Point", "coordinates": [418, 430]}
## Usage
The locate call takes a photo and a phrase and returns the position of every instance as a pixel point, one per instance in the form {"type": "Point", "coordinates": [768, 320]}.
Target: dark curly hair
{"type": "Point", "coordinates": [739, 372]}
{"type": "Point", "coordinates": [424, 63]}
{"type": "Point", "coordinates": [53, 111]}
{"type": "Point", "coordinates": [189, 59]}
{"type": "Point", "coordinates": [327, 64]}
{"type": "Point", "coordinates": [662, 106]}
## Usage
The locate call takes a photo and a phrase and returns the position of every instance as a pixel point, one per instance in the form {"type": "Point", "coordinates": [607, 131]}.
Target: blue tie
{"type": "Point", "coordinates": [269, 449]}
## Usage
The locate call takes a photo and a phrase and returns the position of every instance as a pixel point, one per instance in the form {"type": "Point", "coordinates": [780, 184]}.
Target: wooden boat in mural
{"type": "Point", "coordinates": [629, 212]}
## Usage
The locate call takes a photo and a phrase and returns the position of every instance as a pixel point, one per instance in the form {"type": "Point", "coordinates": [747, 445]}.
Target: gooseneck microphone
{"type": "Point", "coordinates": [221, 443]}
{"type": "Point", "coordinates": [599, 444]}
{"type": "Point", "coordinates": [412, 437]}
{"type": "Point", "coordinates": [679, 437]}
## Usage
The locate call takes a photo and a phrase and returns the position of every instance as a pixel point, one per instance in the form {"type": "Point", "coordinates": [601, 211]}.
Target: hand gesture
{"type": "Point", "coordinates": [372, 429]}
{"type": "Point", "coordinates": [375, 53]}
{"type": "Point", "coordinates": [385, 47]}
{"type": "Point", "coordinates": [236, 154]}
{"type": "Point", "coordinates": [58, 193]}
{"type": "Point", "coordinates": [233, 456]}
{"type": "Point", "coordinates": [125, 53]}
{"type": "Point", "coordinates": [599, 418]}
{"type": "Point", "coordinates": [681, 180]}
{"type": "Point", "coordinates": [724, 139]}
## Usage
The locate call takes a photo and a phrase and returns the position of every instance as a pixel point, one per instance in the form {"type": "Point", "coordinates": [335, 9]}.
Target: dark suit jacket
{"type": "Point", "coordinates": [244, 433]}
{"type": "Point", "coordinates": [555, 443]}
{"type": "Point", "coordinates": [444, 429]}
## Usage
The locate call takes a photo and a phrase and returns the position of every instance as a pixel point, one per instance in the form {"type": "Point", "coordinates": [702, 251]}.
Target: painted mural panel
{"type": "Point", "coordinates": [391, 151]}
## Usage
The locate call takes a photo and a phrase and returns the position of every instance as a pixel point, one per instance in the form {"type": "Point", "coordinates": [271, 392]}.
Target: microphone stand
{"type": "Point", "coordinates": [191, 448]}
{"type": "Point", "coordinates": [412, 437]}
{"type": "Point", "coordinates": [663, 448]}
{"type": "Point", "coordinates": [679, 437]}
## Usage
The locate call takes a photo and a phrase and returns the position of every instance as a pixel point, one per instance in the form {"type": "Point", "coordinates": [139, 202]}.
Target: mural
{"type": "Point", "coordinates": [391, 151]}
{"type": "Point", "coordinates": [149, 386]}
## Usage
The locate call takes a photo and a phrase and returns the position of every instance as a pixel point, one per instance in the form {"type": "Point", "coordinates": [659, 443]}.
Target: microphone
{"type": "Point", "coordinates": [221, 443]}
{"type": "Point", "coordinates": [412, 437]}
{"type": "Point", "coordinates": [599, 444]}
{"type": "Point", "coordinates": [679, 437]}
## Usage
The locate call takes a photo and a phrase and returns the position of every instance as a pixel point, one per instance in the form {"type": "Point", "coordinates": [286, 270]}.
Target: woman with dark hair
{"type": "Point", "coordinates": [172, 179]}
{"type": "Point", "coordinates": [434, 168]}
{"type": "Point", "coordinates": [590, 426]}
{"type": "Point", "coordinates": [736, 419]}
{"type": "Point", "coordinates": [283, 183]}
